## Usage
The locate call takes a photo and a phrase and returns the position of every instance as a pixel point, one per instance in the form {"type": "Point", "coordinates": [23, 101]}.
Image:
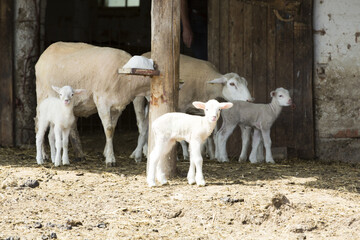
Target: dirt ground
{"type": "Point", "coordinates": [293, 199]}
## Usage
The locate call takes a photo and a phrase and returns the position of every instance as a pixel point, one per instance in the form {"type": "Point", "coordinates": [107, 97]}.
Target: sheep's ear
{"type": "Point", "coordinates": [272, 94]}
{"type": "Point", "coordinates": [226, 105]}
{"type": "Point", "coordinates": [199, 105]}
{"type": "Point", "coordinates": [56, 89]}
{"type": "Point", "coordinates": [221, 80]}
{"type": "Point", "coordinates": [78, 91]}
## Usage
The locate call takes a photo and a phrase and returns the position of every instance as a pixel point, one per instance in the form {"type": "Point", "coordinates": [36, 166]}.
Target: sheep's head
{"type": "Point", "coordinates": [66, 93]}
{"type": "Point", "coordinates": [234, 87]}
{"type": "Point", "coordinates": [282, 95]}
{"type": "Point", "coordinates": [212, 108]}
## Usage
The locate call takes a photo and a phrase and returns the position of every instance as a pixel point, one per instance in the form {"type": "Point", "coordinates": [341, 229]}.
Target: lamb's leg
{"type": "Point", "coordinates": [221, 138]}
{"type": "Point", "coordinates": [160, 174]}
{"type": "Point", "coordinates": [65, 143]}
{"type": "Point", "coordinates": [245, 138]}
{"type": "Point", "coordinates": [57, 131]}
{"type": "Point", "coordinates": [76, 143]}
{"type": "Point", "coordinates": [197, 161]}
{"type": "Point", "coordinates": [184, 150]}
{"type": "Point", "coordinates": [52, 143]}
{"type": "Point", "coordinates": [39, 143]}
{"type": "Point", "coordinates": [162, 147]}
{"type": "Point", "coordinates": [142, 122]}
{"type": "Point", "coordinates": [267, 144]}
{"type": "Point", "coordinates": [255, 144]}
{"type": "Point", "coordinates": [109, 128]}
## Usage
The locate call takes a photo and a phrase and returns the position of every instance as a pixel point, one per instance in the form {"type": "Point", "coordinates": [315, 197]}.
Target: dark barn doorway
{"type": "Point", "coordinates": [118, 24]}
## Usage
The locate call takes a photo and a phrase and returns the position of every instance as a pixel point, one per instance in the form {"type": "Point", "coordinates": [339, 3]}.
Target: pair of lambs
{"type": "Point", "coordinates": [58, 114]}
{"type": "Point", "coordinates": [172, 127]}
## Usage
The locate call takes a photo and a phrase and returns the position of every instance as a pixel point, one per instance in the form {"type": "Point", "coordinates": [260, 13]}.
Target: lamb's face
{"type": "Point", "coordinates": [212, 110]}
{"type": "Point", "coordinates": [283, 97]}
{"type": "Point", "coordinates": [66, 93]}
{"type": "Point", "coordinates": [235, 88]}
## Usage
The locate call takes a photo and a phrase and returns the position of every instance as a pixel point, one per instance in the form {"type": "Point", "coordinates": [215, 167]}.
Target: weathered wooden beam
{"type": "Point", "coordinates": [139, 71]}
{"type": "Point", "coordinates": [165, 51]}
{"type": "Point", "coordinates": [6, 73]}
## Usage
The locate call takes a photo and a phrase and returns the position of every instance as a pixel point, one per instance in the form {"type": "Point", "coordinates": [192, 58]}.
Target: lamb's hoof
{"type": "Point", "coordinates": [191, 181]}
{"type": "Point", "coordinates": [132, 155]}
{"type": "Point", "coordinates": [151, 183]}
{"type": "Point", "coordinates": [110, 164]}
{"type": "Point", "coordinates": [270, 161]}
{"type": "Point", "coordinates": [66, 163]}
{"type": "Point", "coordinates": [40, 161]}
{"type": "Point", "coordinates": [241, 160]}
{"type": "Point", "coordinates": [223, 160]}
{"type": "Point", "coordinates": [201, 183]}
{"type": "Point", "coordinates": [186, 157]}
{"type": "Point", "coordinates": [138, 159]}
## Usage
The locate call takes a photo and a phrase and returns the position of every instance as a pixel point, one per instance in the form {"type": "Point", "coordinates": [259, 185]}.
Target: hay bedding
{"type": "Point", "coordinates": [290, 200]}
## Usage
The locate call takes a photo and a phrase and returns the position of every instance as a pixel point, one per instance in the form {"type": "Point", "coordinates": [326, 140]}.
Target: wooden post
{"type": "Point", "coordinates": [165, 51]}
{"type": "Point", "coordinates": [6, 73]}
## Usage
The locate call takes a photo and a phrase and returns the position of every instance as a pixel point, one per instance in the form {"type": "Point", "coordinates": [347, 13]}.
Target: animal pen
{"type": "Point", "coordinates": [268, 43]}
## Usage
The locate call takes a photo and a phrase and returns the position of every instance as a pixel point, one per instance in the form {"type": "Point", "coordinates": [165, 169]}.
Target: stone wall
{"type": "Point", "coordinates": [26, 54]}
{"type": "Point", "coordinates": [337, 79]}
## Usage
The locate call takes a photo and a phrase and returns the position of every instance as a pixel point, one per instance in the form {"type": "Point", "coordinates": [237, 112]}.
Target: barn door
{"type": "Point", "coordinates": [270, 44]}
{"type": "Point", "coordinates": [6, 73]}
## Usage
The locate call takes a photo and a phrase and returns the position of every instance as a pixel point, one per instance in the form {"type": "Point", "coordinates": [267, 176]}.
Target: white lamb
{"type": "Point", "coordinates": [258, 116]}
{"type": "Point", "coordinates": [173, 127]}
{"type": "Point", "coordinates": [58, 113]}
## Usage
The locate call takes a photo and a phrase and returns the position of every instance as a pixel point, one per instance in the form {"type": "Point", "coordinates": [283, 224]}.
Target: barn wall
{"type": "Point", "coordinates": [337, 79]}
{"type": "Point", "coordinates": [26, 54]}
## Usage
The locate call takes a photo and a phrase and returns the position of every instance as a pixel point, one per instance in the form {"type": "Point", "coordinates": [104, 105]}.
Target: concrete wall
{"type": "Point", "coordinates": [337, 79]}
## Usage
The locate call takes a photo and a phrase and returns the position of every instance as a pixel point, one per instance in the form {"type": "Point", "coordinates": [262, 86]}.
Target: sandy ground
{"type": "Point", "coordinates": [293, 199]}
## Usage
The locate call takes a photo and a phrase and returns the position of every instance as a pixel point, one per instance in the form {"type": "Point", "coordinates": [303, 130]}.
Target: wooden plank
{"type": "Point", "coordinates": [248, 47]}
{"type": "Point", "coordinates": [284, 78]}
{"type": "Point", "coordinates": [214, 32]}
{"type": "Point", "coordinates": [259, 53]}
{"type": "Point", "coordinates": [236, 37]}
{"type": "Point", "coordinates": [165, 51]}
{"type": "Point", "coordinates": [139, 71]}
{"type": "Point", "coordinates": [7, 137]}
{"type": "Point", "coordinates": [224, 36]}
{"type": "Point", "coordinates": [303, 97]}
{"type": "Point", "coordinates": [271, 57]}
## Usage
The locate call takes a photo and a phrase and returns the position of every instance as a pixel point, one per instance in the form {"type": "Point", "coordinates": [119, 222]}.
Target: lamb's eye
{"type": "Point", "coordinates": [232, 84]}
{"type": "Point", "coordinates": [72, 94]}
{"type": "Point", "coordinates": [280, 95]}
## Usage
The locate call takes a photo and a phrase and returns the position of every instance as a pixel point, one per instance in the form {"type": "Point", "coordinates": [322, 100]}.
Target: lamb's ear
{"type": "Point", "coordinates": [221, 80]}
{"type": "Point", "coordinates": [78, 91]}
{"type": "Point", "coordinates": [272, 94]}
{"type": "Point", "coordinates": [56, 89]}
{"type": "Point", "coordinates": [199, 105]}
{"type": "Point", "coordinates": [226, 105]}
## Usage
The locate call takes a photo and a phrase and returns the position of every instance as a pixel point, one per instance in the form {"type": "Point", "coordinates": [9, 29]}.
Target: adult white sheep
{"type": "Point", "coordinates": [58, 113]}
{"type": "Point", "coordinates": [95, 69]}
{"type": "Point", "coordinates": [172, 127]}
{"type": "Point", "coordinates": [258, 116]}
{"type": "Point", "coordinates": [202, 82]}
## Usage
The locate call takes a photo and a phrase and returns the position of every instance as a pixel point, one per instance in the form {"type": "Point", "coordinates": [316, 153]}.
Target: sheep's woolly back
{"type": "Point", "coordinates": [89, 67]}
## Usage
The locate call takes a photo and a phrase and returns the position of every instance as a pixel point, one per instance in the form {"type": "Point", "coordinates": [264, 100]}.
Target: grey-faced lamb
{"type": "Point", "coordinates": [58, 114]}
{"type": "Point", "coordinates": [172, 127]}
{"type": "Point", "coordinates": [258, 116]}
